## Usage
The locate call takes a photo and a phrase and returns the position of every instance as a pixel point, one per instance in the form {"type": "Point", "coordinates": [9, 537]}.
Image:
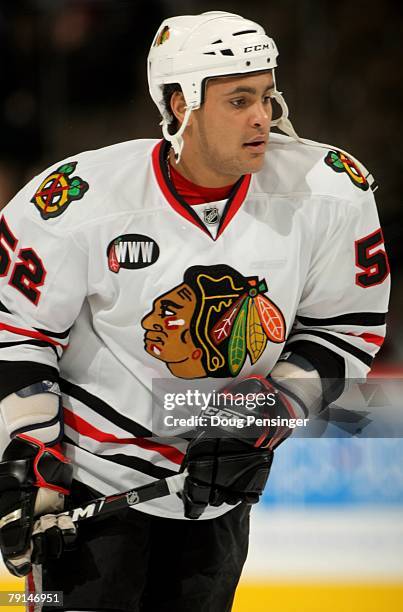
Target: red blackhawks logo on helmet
{"type": "Point", "coordinates": [162, 36]}
{"type": "Point", "coordinates": [208, 325]}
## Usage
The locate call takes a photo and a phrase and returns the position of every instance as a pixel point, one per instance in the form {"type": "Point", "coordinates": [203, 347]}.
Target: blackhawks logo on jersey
{"type": "Point", "coordinates": [339, 162]}
{"type": "Point", "coordinates": [58, 190]}
{"type": "Point", "coordinates": [208, 325]}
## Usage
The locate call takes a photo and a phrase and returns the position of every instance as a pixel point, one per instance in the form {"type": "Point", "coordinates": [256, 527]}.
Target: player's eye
{"type": "Point", "coordinates": [267, 99]}
{"type": "Point", "coordinates": [238, 102]}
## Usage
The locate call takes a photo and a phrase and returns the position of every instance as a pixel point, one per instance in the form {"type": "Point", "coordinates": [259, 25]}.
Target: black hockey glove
{"type": "Point", "coordinates": [229, 460]}
{"type": "Point", "coordinates": [33, 481]}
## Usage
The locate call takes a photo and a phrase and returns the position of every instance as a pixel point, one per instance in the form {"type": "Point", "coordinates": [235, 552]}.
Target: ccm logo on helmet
{"type": "Point", "coordinates": [256, 48]}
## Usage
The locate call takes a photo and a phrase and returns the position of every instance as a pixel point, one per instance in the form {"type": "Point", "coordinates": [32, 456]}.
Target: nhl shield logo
{"type": "Point", "coordinates": [211, 216]}
{"type": "Point", "coordinates": [132, 498]}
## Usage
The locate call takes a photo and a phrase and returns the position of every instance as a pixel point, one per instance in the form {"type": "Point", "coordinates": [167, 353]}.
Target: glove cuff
{"type": "Point", "coordinates": [28, 466]}
{"type": "Point", "coordinates": [34, 464]}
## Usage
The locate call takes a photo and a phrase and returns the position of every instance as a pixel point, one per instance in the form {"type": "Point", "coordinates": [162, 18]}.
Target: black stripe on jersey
{"type": "Point", "coordinates": [33, 342]}
{"type": "Point", "coordinates": [342, 344]}
{"type": "Point", "coordinates": [134, 463]}
{"type": "Point", "coordinates": [54, 334]}
{"type": "Point", "coordinates": [4, 308]}
{"type": "Point", "coordinates": [102, 408]}
{"type": "Point", "coordinates": [363, 319]}
{"type": "Point", "coordinates": [228, 205]}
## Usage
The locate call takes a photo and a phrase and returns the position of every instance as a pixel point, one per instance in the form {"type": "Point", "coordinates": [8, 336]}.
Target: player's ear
{"type": "Point", "coordinates": [178, 106]}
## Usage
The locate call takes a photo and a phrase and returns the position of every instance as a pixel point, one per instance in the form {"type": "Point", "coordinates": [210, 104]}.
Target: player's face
{"type": "Point", "coordinates": [168, 336]}
{"type": "Point", "coordinates": [229, 133]}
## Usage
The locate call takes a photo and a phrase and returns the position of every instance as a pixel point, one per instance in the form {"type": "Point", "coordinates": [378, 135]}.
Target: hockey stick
{"type": "Point", "coordinates": [119, 501]}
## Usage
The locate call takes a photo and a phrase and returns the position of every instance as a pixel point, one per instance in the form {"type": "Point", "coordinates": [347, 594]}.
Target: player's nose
{"type": "Point", "coordinates": [260, 115]}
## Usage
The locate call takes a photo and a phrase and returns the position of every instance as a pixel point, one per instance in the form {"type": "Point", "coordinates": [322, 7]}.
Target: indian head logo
{"type": "Point", "coordinates": [58, 190]}
{"type": "Point", "coordinates": [208, 325]}
{"type": "Point", "coordinates": [339, 162]}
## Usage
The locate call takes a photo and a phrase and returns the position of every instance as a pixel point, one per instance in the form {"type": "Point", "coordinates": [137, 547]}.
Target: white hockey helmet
{"type": "Point", "coordinates": [192, 48]}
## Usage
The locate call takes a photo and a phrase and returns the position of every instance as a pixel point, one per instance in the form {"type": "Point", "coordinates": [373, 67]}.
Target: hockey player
{"type": "Point", "coordinates": [216, 253]}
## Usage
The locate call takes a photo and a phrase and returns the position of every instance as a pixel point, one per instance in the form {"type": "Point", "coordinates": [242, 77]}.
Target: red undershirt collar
{"type": "Point", "coordinates": [196, 194]}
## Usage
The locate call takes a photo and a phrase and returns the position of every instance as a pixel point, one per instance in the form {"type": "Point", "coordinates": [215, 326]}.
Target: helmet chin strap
{"type": "Point", "coordinates": [176, 140]}
{"type": "Point", "coordinates": [283, 123]}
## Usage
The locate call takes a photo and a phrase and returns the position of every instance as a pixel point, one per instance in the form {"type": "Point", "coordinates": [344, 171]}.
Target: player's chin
{"type": "Point", "coordinates": [253, 162]}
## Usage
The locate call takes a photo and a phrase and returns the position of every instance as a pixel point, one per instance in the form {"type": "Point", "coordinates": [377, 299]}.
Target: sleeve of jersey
{"type": "Point", "coordinates": [340, 321]}
{"type": "Point", "coordinates": [43, 283]}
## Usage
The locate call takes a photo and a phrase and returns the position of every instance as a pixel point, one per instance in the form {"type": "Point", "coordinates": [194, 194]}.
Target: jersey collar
{"type": "Point", "coordinates": [235, 200]}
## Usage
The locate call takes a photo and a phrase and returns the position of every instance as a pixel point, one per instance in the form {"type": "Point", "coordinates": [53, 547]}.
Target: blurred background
{"type": "Point", "coordinates": [329, 532]}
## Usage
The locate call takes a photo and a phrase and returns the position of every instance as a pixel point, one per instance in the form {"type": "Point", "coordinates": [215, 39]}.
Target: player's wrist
{"type": "Point", "coordinates": [37, 464]}
{"type": "Point", "coordinates": [300, 380]}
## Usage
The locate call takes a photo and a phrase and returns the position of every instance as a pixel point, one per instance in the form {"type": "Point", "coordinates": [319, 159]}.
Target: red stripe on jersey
{"type": "Point", "coordinates": [31, 334]}
{"type": "Point", "coordinates": [370, 338]}
{"type": "Point", "coordinates": [236, 202]}
{"type": "Point", "coordinates": [83, 427]}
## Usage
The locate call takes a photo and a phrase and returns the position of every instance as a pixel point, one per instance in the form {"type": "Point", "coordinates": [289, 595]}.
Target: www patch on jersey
{"type": "Point", "coordinates": [132, 252]}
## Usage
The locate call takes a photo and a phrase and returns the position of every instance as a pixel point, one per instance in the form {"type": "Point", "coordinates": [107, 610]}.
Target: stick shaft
{"type": "Point", "coordinates": [133, 497]}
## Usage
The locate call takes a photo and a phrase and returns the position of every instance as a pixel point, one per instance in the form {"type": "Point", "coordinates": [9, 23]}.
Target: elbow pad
{"type": "Point", "coordinates": [35, 411]}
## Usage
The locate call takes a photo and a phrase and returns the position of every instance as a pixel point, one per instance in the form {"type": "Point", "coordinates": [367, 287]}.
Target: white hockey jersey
{"type": "Point", "coordinates": [107, 275]}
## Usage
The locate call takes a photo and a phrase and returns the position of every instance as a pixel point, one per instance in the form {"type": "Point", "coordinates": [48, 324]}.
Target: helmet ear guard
{"type": "Point", "coordinates": [193, 48]}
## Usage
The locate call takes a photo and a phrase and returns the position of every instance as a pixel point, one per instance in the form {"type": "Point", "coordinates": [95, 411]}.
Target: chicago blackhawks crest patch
{"type": "Point", "coordinates": [212, 322]}
{"type": "Point", "coordinates": [339, 162]}
{"type": "Point", "coordinates": [58, 190]}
